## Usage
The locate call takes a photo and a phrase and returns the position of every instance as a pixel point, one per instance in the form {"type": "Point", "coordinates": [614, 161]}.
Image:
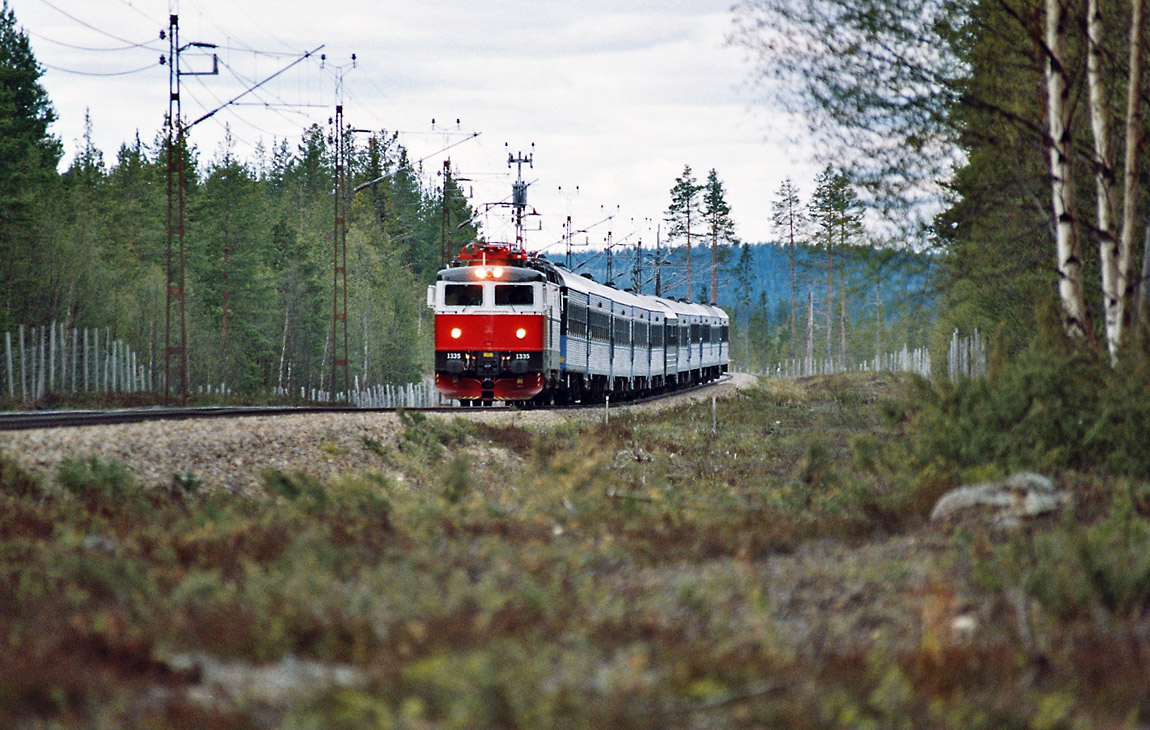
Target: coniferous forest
{"type": "Point", "coordinates": [91, 250]}
{"type": "Point", "coordinates": [88, 246]}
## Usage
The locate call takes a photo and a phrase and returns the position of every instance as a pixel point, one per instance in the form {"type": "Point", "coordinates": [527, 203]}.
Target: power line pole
{"type": "Point", "coordinates": [175, 296]}
{"type": "Point", "coordinates": [339, 340]}
{"type": "Point", "coordinates": [569, 228]}
{"type": "Point", "coordinates": [443, 254]}
{"type": "Point", "coordinates": [637, 272]}
{"type": "Point", "coordinates": [177, 132]}
{"type": "Point", "coordinates": [339, 262]}
{"type": "Point", "coordinates": [658, 261]}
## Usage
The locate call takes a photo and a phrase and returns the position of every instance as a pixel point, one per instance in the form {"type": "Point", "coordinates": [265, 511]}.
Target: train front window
{"type": "Point", "coordinates": [518, 295]}
{"type": "Point", "coordinates": [463, 295]}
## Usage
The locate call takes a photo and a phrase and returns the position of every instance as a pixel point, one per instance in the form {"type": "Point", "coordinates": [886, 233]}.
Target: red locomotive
{"type": "Point", "coordinates": [514, 327]}
{"type": "Point", "coordinates": [490, 323]}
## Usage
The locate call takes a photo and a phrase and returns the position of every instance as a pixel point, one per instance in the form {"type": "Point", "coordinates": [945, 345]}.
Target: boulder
{"type": "Point", "coordinates": [1020, 496]}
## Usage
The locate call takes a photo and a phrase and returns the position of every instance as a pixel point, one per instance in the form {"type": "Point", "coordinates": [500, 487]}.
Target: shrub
{"type": "Point", "coordinates": [187, 483]}
{"type": "Point", "coordinates": [1057, 405]}
{"type": "Point", "coordinates": [15, 478]}
{"type": "Point", "coordinates": [296, 486]}
{"type": "Point", "coordinates": [431, 434]}
{"type": "Point", "coordinates": [1075, 569]}
{"type": "Point", "coordinates": [93, 476]}
{"type": "Point", "coordinates": [458, 483]}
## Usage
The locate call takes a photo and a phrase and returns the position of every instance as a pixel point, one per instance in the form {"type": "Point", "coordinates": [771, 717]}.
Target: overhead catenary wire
{"type": "Point", "coordinates": [278, 110]}
{"type": "Point", "coordinates": [149, 67]}
{"type": "Point", "coordinates": [65, 44]}
{"type": "Point", "coordinates": [244, 93]}
{"type": "Point", "coordinates": [256, 21]}
{"type": "Point", "coordinates": [101, 31]}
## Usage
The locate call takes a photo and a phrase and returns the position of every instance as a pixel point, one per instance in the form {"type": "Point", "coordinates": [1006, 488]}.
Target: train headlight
{"type": "Point", "coordinates": [521, 333]}
{"type": "Point", "coordinates": [481, 273]}
{"type": "Point", "coordinates": [456, 333]}
{"type": "Point", "coordinates": [497, 272]}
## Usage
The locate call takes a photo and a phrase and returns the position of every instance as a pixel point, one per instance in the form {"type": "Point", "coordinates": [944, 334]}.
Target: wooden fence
{"type": "Point", "coordinates": [61, 360]}
{"type": "Point", "coordinates": [57, 360]}
{"type": "Point", "coordinates": [411, 395]}
{"type": "Point", "coordinates": [966, 357]}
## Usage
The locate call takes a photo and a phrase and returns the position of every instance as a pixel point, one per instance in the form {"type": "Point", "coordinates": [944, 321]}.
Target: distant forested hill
{"type": "Point", "coordinates": [756, 290]}
{"type": "Point", "coordinates": [901, 279]}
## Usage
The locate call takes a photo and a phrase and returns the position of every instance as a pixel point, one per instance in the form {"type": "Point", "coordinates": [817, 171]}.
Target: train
{"type": "Point", "coordinates": [513, 326]}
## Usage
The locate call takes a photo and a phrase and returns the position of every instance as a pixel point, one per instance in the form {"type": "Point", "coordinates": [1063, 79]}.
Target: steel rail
{"type": "Point", "coordinates": [28, 420]}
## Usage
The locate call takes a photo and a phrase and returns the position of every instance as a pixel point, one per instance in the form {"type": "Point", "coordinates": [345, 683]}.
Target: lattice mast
{"type": "Point", "coordinates": [519, 195]}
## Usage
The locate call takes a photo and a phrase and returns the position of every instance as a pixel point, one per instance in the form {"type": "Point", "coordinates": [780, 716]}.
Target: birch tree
{"type": "Point", "coordinates": [1128, 279]}
{"type": "Point", "coordinates": [1076, 318]}
{"type": "Point", "coordinates": [1116, 253]}
{"type": "Point", "coordinates": [890, 88]}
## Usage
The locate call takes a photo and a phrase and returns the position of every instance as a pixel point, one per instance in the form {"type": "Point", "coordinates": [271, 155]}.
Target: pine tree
{"type": "Point", "coordinates": [719, 225]}
{"type": "Point", "coordinates": [684, 213]}
{"type": "Point", "coordinates": [836, 210]}
{"type": "Point", "coordinates": [789, 219]}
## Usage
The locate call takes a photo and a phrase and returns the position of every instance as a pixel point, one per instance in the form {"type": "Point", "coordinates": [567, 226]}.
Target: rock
{"type": "Point", "coordinates": [1020, 496]}
{"type": "Point", "coordinates": [636, 454]}
{"type": "Point", "coordinates": [290, 680]}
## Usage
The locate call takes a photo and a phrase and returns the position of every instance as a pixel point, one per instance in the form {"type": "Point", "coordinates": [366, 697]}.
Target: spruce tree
{"type": "Point", "coordinates": [28, 159]}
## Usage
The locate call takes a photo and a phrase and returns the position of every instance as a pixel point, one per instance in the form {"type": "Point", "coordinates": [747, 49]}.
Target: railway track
{"type": "Point", "coordinates": [27, 420]}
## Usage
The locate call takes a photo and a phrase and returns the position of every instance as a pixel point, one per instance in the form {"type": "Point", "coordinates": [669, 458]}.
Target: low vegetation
{"type": "Point", "coordinates": [774, 569]}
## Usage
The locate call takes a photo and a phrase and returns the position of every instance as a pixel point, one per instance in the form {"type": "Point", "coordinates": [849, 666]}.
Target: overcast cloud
{"type": "Point", "coordinates": [616, 97]}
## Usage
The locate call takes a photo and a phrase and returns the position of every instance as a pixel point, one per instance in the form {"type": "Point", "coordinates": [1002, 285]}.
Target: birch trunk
{"type": "Point", "coordinates": [1127, 276]}
{"type": "Point", "coordinates": [1076, 318]}
{"type": "Point", "coordinates": [1104, 177]}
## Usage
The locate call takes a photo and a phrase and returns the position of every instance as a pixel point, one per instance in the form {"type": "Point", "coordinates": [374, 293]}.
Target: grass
{"type": "Point", "coordinates": [638, 574]}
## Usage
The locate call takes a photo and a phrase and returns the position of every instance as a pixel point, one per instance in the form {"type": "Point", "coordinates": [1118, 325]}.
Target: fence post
{"type": "Point", "coordinates": [23, 368]}
{"type": "Point", "coordinates": [52, 356]}
{"type": "Point", "coordinates": [8, 356]}
{"type": "Point", "coordinates": [97, 379]}
{"type": "Point", "coordinates": [42, 379]}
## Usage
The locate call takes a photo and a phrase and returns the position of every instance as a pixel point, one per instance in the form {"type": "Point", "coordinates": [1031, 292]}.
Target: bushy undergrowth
{"type": "Point", "coordinates": [1057, 406]}
{"type": "Point", "coordinates": [93, 475]}
{"type": "Point", "coordinates": [587, 575]}
{"type": "Point", "coordinates": [1076, 568]}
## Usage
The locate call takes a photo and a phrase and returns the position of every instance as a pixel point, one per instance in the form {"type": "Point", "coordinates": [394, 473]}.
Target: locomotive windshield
{"type": "Point", "coordinates": [514, 294]}
{"type": "Point", "coordinates": [463, 295]}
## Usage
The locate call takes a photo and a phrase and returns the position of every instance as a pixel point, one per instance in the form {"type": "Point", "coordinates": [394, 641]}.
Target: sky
{"type": "Point", "coordinates": [610, 99]}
